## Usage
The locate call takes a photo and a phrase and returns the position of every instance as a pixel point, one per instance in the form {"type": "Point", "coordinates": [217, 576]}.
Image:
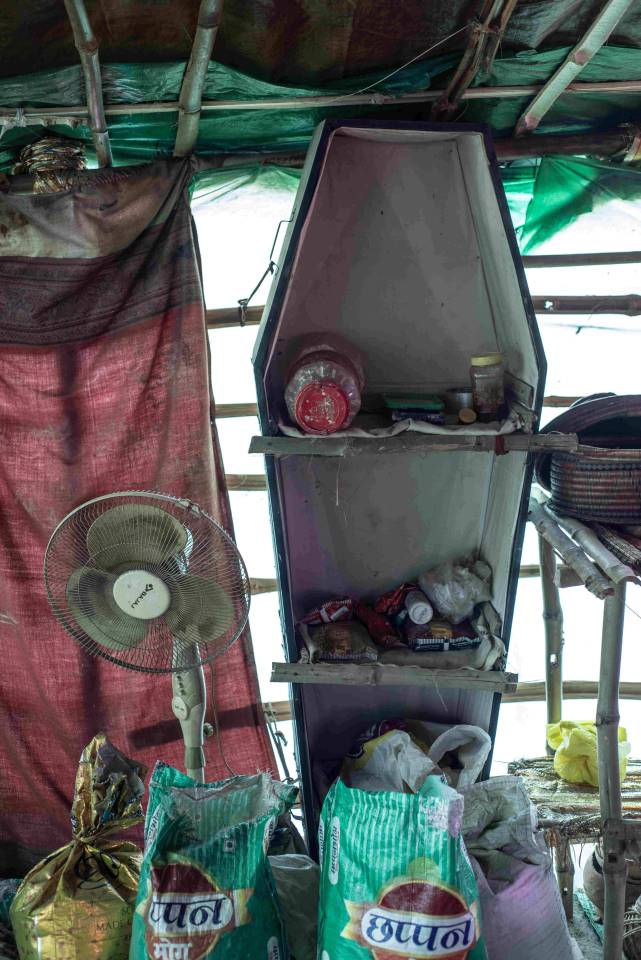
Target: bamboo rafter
{"type": "Point", "coordinates": [191, 92]}
{"type": "Point", "coordinates": [87, 47]}
{"type": "Point", "coordinates": [485, 35]}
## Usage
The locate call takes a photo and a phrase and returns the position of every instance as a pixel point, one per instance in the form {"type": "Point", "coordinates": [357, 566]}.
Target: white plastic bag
{"type": "Point", "coordinates": [454, 589]}
{"type": "Point", "coordinates": [390, 762]}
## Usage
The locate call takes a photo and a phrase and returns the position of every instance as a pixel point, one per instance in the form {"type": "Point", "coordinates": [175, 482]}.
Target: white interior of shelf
{"type": "Point", "coordinates": [404, 253]}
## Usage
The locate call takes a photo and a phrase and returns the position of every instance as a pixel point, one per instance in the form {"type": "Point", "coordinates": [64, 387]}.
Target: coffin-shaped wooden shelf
{"type": "Point", "coordinates": [343, 446]}
{"type": "Point", "coordinates": [387, 674]}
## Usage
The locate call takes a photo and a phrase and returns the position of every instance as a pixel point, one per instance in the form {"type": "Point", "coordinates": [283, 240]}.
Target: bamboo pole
{"type": "Point", "coordinates": [191, 91]}
{"type": "Point", "coordinates": [573, 556]}
{"type": "Point", "coordinates": [576, 61]}
{"type": "Point", "coordinates": [607, 719]}
{"type": "Point", "coordinates": [530, 692]}
{"type": "Point", "coordinates": [628, 305]}
{"type": "Point", "coordinates": [613, 568]}
{"type": "Point", "coordinates": [87, 47]}
{"type": "Point", "coordinates": [608, 142]}
{"type": "Point", "coordinates": [547, 260]}
{"type": "Point", "coordinates": [553, 624]}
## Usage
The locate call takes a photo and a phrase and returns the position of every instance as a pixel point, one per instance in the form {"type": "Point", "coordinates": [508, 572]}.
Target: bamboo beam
{"type": "Point", "coordinates": [263, 585]}
{"type": "Point", "coordinates": [531, 692]}
{"type": "Point", "coordinates": [230, 317]}
{"type": "Point", "coordinates": [78, 113]}
{"type": "Point", "coordinates": [485, 33]}
{"type": "Point", "coordinates": [191, 91]}
{"type": "Point", "coordinates": [628, 305]}
{"type": "Point", "coordinates": [226, 411]}
{"type": "Point", "coordinates": [246, 481]}
{"type": "Point", "coordinates": [565, 575]}
{"type": "Point", "coordinates": [547, 260]}
{"type": "Point", "coordinates": [580, 55]}
{"type": "Point", "coordinates": [87, 47]}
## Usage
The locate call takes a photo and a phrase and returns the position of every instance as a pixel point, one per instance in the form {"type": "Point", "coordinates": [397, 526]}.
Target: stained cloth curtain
{"type": "Point", "coordinates": [104, 386]}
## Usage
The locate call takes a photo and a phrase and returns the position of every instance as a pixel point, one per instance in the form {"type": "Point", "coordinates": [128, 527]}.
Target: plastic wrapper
{"type": "Point", "coordinates": [77, 903]}
{"type": "Point", "coordinates": [440, 635]}
{"type": "Point", "coordinates": [403, 762]}
{"type": "Point", "coordinates": [454, 589]}
{"type": "Point", "coordinates": [488, 654]}
{"type": "Point", "coordinates": [393, 601]}
{"type": "Point", "coordinates": [344, 642]}
{"type": "Point", "coordinates": [329, 612]}
{"type": "Point", "coordinates": [206, 887]}
{"type": "Point", "coordinates": [296, 877]}
{"type": "Point", "coordinates": [380, 628]}
{"type": "Point", "coordinates": [395, 878]}
{"type": "Point", "coordinates": [513, 867]}
{"type": "Point", "coordinates": [575, 746]}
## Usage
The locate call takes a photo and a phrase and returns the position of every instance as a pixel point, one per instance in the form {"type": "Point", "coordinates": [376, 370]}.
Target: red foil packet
{"type": "Point", "coordinates": [329, 612]}
{"type": "Point", "coordinates": [393, 601]}
{"type": "Point", "coordinates": [380, 628]}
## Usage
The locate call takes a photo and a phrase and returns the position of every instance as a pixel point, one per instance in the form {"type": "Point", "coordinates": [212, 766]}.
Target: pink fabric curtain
{"type": "Point", "coordinates": [104, 386]}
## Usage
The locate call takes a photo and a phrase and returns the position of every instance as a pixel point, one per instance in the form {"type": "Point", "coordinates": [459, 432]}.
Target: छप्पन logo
{"type": "Point", "coordinates": [414, 919]}
{"type": "Point", "coordinates": [186, 912]}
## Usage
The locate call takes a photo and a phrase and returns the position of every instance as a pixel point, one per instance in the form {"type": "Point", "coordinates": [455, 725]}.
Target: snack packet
{"type": "Point", "coordinates": [396, 880]}
{"type": "Point", "coordinates": [329, 612]}
{"type": "Point", "coordinates": [344, 642]}
{"type": "Point", "coordinates": [206, 888]}
{"type": "Point", "coordinates": [77, 903]}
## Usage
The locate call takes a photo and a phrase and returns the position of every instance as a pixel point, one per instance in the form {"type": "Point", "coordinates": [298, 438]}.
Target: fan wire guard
{"type": "Point", "coordinates": [176, 542]}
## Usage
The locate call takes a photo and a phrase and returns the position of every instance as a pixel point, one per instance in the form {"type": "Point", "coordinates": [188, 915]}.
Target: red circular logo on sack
{"type": "Point", "coordinates": [414, 919]}
{"type": "Point", "coordinates": [187, 913]}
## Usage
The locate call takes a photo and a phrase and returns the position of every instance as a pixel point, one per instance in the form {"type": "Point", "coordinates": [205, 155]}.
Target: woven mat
{"type": "Point", "coordinates": [569, 809]}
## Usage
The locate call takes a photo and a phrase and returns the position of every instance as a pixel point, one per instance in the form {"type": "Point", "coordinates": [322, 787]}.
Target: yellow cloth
{"type": "Point", "coordinates": [575, 759]}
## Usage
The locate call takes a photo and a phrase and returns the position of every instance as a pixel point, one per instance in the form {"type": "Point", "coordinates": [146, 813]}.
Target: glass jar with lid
{"type": "Point", "coordinates": [487, 375]}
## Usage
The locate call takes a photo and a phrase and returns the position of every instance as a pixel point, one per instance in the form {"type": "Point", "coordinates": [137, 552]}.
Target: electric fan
{"type": "Point", "coordinates": [151, 582]}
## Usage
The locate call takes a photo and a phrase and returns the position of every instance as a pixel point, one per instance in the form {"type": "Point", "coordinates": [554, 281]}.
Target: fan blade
{"type": "Point", "coordinates": [135, 534]}
{"type": "Point", "coordinates": [90, 598]}
{"type": "Point", "coordinates": [200, 610]}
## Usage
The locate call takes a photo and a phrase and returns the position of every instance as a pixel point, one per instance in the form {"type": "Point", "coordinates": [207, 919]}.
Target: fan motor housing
{"type": "Point", "coordinates": [141, 594]}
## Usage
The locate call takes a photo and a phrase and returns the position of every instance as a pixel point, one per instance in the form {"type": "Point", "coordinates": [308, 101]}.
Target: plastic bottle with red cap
{"type": "Point", "coordinates": [324, 384]}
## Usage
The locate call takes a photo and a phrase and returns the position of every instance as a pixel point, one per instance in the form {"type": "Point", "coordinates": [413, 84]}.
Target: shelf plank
{"type": "Point", "coordinates": [387, 674]}
{"type": "Point", "coordinates": [342, 446]}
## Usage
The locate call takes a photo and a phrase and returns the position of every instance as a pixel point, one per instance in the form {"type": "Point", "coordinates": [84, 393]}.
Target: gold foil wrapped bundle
{"type": "Point", "coordinates": [77, 903]}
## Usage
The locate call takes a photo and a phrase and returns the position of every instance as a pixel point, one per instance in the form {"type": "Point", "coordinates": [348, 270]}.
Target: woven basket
{"type": "Point", "coordinates": [596, 483]}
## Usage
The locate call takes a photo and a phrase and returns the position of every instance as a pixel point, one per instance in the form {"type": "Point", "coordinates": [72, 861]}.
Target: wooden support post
{"type": "Point", "coordinates": [87, 47]}
{"type": "Point", "coordinates": [553, 623]}
{"type": "Point", "coordinates": [607, 719]}
{"type": "Point", "coordinates": [191, 92]}
{"type": "Point", "coordinates": [565, 874]}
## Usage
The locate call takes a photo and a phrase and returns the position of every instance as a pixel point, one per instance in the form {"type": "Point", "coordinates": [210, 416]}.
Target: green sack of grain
{"type": "Point", "coordinates": [206, 889]}
{"type": "Point", "coordinates": [396, 882]}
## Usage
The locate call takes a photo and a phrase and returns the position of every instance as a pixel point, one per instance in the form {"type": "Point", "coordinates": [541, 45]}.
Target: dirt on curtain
{"type": "Point", "coordinates": [104, 386]}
